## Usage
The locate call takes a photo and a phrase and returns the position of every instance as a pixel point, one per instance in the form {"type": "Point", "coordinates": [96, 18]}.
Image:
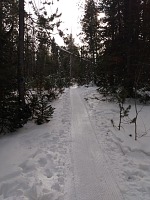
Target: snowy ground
{"type": "Point", "coordinates": [49, 162]}
{"type": "Point", "coordinates": [34, 162]}
{"type": "Point", "coordinates": [129, 159]}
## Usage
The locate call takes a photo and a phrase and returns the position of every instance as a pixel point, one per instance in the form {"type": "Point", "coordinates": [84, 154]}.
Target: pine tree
{"type": "Point", "coordinates": [73, 57]}
{"type": "Point", "coordinates": [90, 28]}
{"type": "Point", "coordinates": [122, 35]}
{"type": "Point", "coordinates": [14, 110]}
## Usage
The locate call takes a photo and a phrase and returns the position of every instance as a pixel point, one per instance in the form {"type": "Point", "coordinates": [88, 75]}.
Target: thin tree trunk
{"type": "Point", "coordinates": [0, 30]}
{"type": "Point", "coordinates": [0, 16]}
{"type": "Point", "coordinates": [21, 88]}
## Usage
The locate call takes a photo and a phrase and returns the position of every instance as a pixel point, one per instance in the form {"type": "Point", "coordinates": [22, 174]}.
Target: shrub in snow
{"type": "Point", "coordinates": [42, 109]}
{"type": "Point", "coordinates": [121, 95]}
{"type": "Point", "coordinates": [12, 115]}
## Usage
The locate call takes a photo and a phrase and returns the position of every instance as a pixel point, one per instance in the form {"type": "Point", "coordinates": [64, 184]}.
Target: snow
{"type": "Point", "coordinates": [34, 162]}
{"type": "Point", "coordinates": [78, 155]}
{"type": "Point", "coordinates": [129, 159]}
{"type": "Point", "coordinates": [92, 176]}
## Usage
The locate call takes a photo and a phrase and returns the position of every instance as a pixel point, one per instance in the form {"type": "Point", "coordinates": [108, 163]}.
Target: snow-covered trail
{"type": "Point", "coordinates": [78, 155]}
{"type": "Point", "coordinates": [93, 179]}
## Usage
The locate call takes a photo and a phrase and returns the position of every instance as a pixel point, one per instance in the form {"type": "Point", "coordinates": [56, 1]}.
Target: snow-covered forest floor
{"type": "Point", "coordinates": [36, 162]}
{"type": "Point", "coordinates": [128, 159]}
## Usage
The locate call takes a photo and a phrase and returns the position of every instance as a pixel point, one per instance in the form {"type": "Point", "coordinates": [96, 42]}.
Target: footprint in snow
{"type": "Point", "coordinates": [56, 187]}
{"type": "Point", "coordinates": [55, 139]}
{"type": "Point", "coordinates": [14, 188]}
{"type": "Point", "coordinates": [134, 175]}
{"type": "Point", "coordinates": [27, 166]}
{"type": "Point", "coordinates": [48, 173]}
{"type": "Point", "coordinates": [49, 156]}
{"type": "Point", "coordinates": [42, 162]}
{"type": "Point", "coordinates": [61, 180]}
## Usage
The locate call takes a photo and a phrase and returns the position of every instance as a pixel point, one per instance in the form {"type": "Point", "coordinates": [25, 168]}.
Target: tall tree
{"type": "Point", "coordinates": [73, 56]}
{"type": "Point", "coordinates": [21, 88]}
{"type": "Point", "coordinates": [13, 52]}
{"type": "Point", "coordinates": [122, 46]}
{"type": "Point", "coordinates": [90, 28]}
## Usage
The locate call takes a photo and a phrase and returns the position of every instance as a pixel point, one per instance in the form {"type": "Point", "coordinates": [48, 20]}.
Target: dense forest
{"type": "Point", "coordinates": [114, 54]}
{"type": "Point", "coordinates": [118, 42]}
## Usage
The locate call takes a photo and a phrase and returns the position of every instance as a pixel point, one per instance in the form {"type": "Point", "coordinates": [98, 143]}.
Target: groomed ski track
{"type": "Point", "coordinates": [93, 178]}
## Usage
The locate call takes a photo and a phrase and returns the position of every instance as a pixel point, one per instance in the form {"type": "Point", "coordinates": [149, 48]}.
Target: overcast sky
{"type": "Point", "coordinates": [71, 13]}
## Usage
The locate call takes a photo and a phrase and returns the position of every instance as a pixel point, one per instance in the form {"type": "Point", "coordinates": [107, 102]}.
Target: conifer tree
{"type": "Point", "coordinates": [14, 113]}
{"type": "Point", "coordinates": [73, 56]}
{"type": "Point", "coordinates": [124, 51]}
{"type": "Point", "coordinates": [90, 28]}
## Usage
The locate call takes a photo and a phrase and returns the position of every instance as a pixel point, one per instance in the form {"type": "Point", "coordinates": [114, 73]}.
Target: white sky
{"type": "Point", "coordinates": [71, 13]}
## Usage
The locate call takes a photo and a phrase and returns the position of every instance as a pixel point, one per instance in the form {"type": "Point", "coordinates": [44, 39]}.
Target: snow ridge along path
{"type": "Point", "coordinates": [93, 179]}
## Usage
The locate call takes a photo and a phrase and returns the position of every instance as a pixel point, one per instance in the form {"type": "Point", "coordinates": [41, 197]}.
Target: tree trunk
{"type": "Point", "coordinates": [0, 30]}
{"type": "Point", "coordinates": [21, 88]}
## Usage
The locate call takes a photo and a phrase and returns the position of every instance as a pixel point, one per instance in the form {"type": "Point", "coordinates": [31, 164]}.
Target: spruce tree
{"type": "Point", "coordinates": [124, 51]}
{"type": "Point", "coordinates": [90, 28]}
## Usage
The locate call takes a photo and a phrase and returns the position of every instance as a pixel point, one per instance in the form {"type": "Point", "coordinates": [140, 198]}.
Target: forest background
{"type": "Point", "coordinates": [114, 54]}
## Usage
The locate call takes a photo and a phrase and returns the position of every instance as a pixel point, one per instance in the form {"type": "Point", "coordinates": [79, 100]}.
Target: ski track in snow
{"type": "Point", "coordinates": [93, 179]}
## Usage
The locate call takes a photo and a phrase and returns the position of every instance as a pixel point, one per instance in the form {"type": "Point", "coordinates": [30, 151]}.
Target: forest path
{"type": "Point", "coordinates": [93, 179]}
